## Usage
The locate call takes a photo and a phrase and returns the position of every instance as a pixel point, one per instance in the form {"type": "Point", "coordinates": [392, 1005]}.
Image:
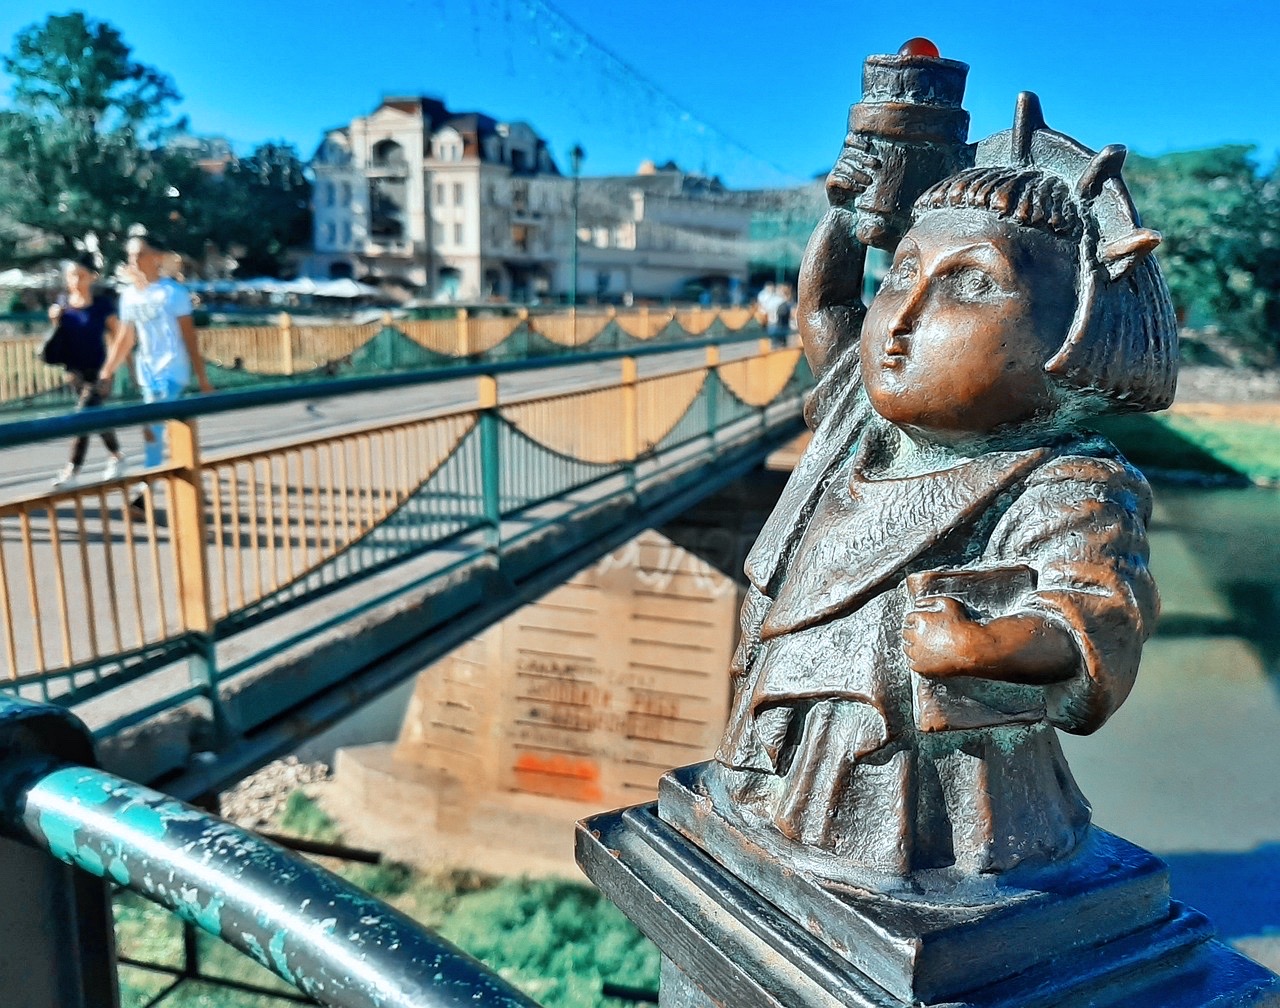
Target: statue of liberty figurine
{"type": "Point", "coordinates": [955, 571]}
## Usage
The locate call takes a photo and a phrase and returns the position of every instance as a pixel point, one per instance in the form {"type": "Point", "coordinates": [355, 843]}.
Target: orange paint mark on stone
{"type": "Point", "coordinates": [559, 776]}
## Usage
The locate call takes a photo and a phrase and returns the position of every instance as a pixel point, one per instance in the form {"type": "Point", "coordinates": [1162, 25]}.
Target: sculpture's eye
{"type": "Point", "coordinates": [972, 284]}
{"type": "Point", "coordinates": [902, 275]}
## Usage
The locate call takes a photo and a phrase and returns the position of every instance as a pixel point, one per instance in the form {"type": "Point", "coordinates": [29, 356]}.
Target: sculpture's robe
{"type": "Point", "coordinates": [834, 743]}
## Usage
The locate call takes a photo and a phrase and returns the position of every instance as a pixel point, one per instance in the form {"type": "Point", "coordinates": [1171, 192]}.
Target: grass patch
{"type": "Point", "coordinates": [1248, 447]}
{"type": "Point", "coordinates": [1180, 443]}
{"type": "Point", "coordinates": [557, 941]}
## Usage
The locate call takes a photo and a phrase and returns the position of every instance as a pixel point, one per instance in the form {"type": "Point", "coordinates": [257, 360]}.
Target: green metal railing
{"type": "Point", "coordinates": [333, 942]}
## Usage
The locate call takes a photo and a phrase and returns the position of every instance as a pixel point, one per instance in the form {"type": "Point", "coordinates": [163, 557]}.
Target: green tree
{"type": "Point", "coordinates": [1220, 218]}
{"type": "Point", "coordinates": [264, 209]}
{"type": "Point", "coordinates": [77, 147]}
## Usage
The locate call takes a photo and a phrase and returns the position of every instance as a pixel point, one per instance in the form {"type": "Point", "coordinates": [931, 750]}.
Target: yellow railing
{"type": "Point", "coordinates": [22, 373]}
{"type": "Point", "coordinates": [291, 348]}
{"type": "Point", "coordinates": [92, 575]}
{"type": "Point", "coordinates": [276, 516]}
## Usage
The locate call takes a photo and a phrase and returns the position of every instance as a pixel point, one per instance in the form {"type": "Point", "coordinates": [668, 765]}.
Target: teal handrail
{"type": "Point", "coordinates": [317, 932]}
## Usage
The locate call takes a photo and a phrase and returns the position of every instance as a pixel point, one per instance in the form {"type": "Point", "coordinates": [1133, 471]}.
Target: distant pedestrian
{"type": "Point", "coordinates": [85, 320]}
{"type": "Point", "coordinates": [778, 318]}
{"type": "Point", "coordinates": [766, 302]}
{"type": "Point", "coordinates": [155, 317]}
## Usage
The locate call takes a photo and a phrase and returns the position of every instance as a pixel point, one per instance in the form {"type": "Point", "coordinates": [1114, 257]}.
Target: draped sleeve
{"type": "Point", "coordinates": [1081, 522]}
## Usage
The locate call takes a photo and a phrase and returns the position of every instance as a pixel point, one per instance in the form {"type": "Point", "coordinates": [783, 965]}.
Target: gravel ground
{"type": "Point", "coordinates": [256, 800]}
{"type": "Point", "coordinates": [1217, 384]}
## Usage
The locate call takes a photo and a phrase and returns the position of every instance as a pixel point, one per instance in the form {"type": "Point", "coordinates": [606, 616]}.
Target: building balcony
{"type": "Point", "coordinates": [388, 247]}
{"type": "Point", "coordinates": [387, 169]}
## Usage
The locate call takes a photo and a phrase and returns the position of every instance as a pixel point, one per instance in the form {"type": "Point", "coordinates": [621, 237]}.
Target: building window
{"type": "Point", "coordinates": [457, 194]}
{"type": "Point", "coordinates": [439, 194]}
{"type": "Point", "coordinates": [457, 233]}
{"type": "Point", "coordinates": [346, 194]}
{"type": "Point", "coordinates": [346, 233]}
{"type": "Point", "coordinates": [328, 193]}
{"type": "Point", "coordinates": [330, 233]}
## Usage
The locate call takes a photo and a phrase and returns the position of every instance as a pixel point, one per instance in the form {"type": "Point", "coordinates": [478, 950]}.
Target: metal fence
{"type": "Point", "coordinates": [243, 355]}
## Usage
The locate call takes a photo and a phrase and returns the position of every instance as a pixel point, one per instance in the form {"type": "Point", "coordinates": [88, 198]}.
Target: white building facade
{"type": "Point", "coordinates": [461, 207]}
{"type": "Point", "coordinates": [662, 233]}
{"type": "Point", "coordinates": [466, 208]}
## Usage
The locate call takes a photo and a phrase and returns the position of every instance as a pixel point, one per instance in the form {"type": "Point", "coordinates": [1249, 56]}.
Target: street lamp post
{"type": "Point", "coordinates": [575, 164]}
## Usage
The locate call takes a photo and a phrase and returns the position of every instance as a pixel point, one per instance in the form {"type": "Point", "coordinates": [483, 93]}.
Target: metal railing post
{"type": "Point", "coordinates": [286, 343]}
{"type": "Point", "coordinates": [57, 943]}
{"type": "Point", "coordinates": [188, 524]}
{"type": "Point", "coordinates": [630, 422]}
{"type": "Point", "coordinates": [490, 459]}
{"type": "Point", "coordinates": [464, 333]}
{"type": "Point", "coordinates": [336, 944]}
{"type": "Point", "coordinates": [526, 330]}
{"type": "Point", "coordinates": [712, 386]}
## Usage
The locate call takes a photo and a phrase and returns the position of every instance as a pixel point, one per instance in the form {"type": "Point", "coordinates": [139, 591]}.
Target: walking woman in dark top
{"type": "Point", "coordinates": [88, 318]}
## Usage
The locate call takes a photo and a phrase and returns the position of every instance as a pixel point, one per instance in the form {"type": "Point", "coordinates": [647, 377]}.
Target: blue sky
{"type": "Point", "coordinates": [756, 92]}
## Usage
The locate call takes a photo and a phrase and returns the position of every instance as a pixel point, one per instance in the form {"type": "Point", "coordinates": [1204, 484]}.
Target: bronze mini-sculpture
{"type": "Point", "coordinates": [973, 573]}
{"type": "Point", "coordinates": [955, 570]}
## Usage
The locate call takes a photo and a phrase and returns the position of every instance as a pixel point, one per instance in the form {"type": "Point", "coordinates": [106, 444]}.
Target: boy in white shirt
{"type": "Point", "coordinates": [155, 316]}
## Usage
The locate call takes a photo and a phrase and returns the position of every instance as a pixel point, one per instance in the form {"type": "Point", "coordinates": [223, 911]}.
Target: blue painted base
{"type": "Point", "coordinates": [724, 944]}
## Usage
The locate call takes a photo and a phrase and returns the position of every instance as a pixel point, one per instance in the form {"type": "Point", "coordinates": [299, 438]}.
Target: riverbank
{"type": "Point", "coordinates": [1222, 428]}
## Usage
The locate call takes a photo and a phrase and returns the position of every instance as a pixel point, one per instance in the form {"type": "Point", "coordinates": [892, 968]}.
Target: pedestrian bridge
{"type": "Point", "coordinates": [216, 627]}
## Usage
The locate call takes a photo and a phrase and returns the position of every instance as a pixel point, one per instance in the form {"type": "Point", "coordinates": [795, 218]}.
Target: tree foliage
{"type": "Point", "coordinates": [264, 208]}
{"type": "Point", "coordinates": [1220, 217]}
{"type": "Point", "coordinates": [84, 149]}
{"type": "Point", "coordinates": [78, 148]}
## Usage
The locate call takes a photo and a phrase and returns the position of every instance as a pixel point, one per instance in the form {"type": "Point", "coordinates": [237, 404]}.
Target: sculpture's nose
{"type": "Point", "coordinates": [903, 323]}
{"type": "Point", "coordinates": [896, 345]}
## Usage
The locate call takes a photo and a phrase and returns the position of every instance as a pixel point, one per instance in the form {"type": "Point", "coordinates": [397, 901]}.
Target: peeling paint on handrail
{"type": "Point", "coordinates": [332, 941]}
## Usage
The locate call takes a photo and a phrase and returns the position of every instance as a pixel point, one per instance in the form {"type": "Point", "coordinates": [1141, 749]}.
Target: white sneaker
{"type": "Point", "coordinates": [66, 475]}
{"type": "Point", "coordinates": [116, 464]}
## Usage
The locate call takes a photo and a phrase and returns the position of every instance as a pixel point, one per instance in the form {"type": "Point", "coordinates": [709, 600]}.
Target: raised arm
{"type": "Point", "coordinates": [830, 302]}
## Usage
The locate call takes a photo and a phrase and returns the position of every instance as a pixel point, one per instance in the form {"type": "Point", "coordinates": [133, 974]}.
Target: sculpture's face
{"type": "Point", "coordinates": [955, 342]}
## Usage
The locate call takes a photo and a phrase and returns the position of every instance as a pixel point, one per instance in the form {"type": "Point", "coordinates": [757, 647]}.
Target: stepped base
{"type": "Point", "coordinates": [1082, 941]}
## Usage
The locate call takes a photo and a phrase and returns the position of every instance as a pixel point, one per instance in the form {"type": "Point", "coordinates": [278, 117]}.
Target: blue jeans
{"type": "Point", "coordinates": [157, 390]}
